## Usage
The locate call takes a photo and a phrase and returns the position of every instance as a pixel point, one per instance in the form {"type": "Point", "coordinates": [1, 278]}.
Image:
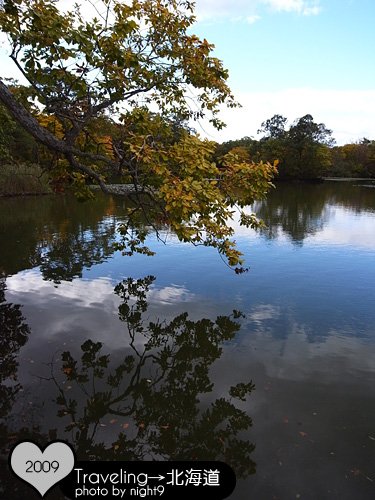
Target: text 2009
{"type": "Point", "coordinates": [39, 466]}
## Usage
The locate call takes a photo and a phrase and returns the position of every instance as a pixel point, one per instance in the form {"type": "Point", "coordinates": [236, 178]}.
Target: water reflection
{"type": "Point", "coordinates": [14, 334]}
{"type": "Point", "coordinates": [296, 212]}
{"type": "Point", "coordinates": [299, 210]}
{"type": "Point", "coordinates": [357, 196]}
{"type": "Point", "coordinates": [156, 389]}
{"type": "Point", "coordinates": [162, 385]}
{"type": "Point", "coordinates": [153, 399]}
{"type": "Point", "coordinates": [58, 234]}
{"type": "Point", "coordinates": [64, 237]}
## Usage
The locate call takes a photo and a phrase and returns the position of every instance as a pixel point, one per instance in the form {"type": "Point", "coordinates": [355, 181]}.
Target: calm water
{"type": "Point", "coordinates": [134, 358]}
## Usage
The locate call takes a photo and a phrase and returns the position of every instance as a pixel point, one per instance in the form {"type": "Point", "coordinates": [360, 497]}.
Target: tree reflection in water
{"type": "Point", "coordinates": [14, 334]}
{"type": "Point", "coordinates": [155, 391]}
{"type": "Point", "coordinates": [297, 210]}
{"type": "Point", "coordinates": [159, 393]}
{"type": "Point", "coordinates": [301, 209]}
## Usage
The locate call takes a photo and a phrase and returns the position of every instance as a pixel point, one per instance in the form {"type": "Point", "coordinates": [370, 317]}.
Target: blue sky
{"type": "Point", "coordinates": [295, 57]}
{"type": "Point", "coordinates": [290, 57]}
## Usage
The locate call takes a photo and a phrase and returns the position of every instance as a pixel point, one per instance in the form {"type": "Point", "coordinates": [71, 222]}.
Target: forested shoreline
{"type": "Point", "coordinates": [305, 151]}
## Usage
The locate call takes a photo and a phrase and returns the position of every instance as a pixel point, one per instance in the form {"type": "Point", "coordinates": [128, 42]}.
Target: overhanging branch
{"type": "Point", "coordinates": [45, 137]}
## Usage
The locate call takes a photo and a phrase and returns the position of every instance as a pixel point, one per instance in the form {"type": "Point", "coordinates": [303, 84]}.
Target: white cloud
{"type": "Point", "coordinates": [88, 293]}
{"type": "Point", "coordinates": [86, 307]}
{"type": "Point", "coordinates": [83, 292]}
{"type": "Point", "coordinates": [252, 19]}
{"type": "Point", "coordinates": [264, 312]}
{"type": "Point", "coordinates": [225, 9]}
{"type": "Point", "coordinates": [304, 7]}
{"type": "Point", "coordinates": [248, 10]}
{"type": "Point", "coordinates": [173, 294]}
{"type": "Point", "coordinates": [349, 113]}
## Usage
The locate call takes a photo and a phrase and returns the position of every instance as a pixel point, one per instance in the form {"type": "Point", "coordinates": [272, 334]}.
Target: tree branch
{"type": "Point", "coordinates": [32, 83]}
{"type": "Point", "coordinates": [44, 136]}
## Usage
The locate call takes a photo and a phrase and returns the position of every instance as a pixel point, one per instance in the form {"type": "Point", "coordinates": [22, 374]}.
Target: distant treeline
{"type": "Point", "coordinates": [305, 151]}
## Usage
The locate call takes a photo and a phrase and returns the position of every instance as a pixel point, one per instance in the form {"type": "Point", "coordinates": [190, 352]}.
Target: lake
{"type": "Point", "coordinates": [176, 357]}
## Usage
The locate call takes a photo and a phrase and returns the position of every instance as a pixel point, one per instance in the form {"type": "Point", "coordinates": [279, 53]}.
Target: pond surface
{"type": "Point", "coordinates": [176, 357]}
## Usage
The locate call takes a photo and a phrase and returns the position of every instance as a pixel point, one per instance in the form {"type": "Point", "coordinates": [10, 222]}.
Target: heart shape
{"type": "Point", "coordinates": [42, 469]}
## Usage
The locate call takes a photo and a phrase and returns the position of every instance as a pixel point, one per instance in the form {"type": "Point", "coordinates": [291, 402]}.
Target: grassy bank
{"type": "Point", "coordinates": [21, 179]}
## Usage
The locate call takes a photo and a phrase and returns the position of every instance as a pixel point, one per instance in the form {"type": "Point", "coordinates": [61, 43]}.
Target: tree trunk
{"type": "Point", "coordinates": [29, 123]}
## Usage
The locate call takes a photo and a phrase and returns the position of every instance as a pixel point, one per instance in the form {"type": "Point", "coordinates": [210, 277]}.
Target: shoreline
{"type": "Point", "coordinates": [121, 189]}
{"type": "Point", "coordinates": [18, 195]}
{"type": "Point", "coordinates": [348, 179]}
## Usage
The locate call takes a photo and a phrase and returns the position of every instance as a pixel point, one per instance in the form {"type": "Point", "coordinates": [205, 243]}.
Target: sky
{"type": "Point", "coordinates": [289, 57]}
{"type": "Point", "coordinates": [294, 57]}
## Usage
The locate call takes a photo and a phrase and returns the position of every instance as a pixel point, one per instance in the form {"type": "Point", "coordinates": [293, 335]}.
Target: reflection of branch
{"type": "Point", "coordinates": [164, 407]}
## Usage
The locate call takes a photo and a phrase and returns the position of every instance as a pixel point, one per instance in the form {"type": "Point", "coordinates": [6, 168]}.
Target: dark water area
{"type": "Point", "coordinates": [176, 357]}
